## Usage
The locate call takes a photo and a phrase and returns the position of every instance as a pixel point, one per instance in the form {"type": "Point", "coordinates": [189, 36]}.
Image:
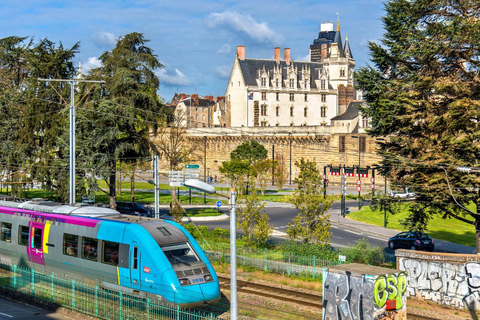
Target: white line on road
{"type": "Point", "coordinates": [360, 234]}
{"type": "Point", "coordinates": [6, 315]}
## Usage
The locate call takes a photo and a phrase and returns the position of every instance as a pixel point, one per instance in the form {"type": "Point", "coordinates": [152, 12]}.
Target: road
{"type": "Point", "coordinates": [17, 310]}
{"type": "Point", "coordinates": [282, 214]}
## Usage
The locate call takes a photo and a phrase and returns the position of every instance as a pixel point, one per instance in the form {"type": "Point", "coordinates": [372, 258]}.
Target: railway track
{"type": "Point", "coordinates": [300, 298]}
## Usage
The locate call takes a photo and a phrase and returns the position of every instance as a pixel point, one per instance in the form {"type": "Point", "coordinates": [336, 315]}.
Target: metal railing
{"type": "Point", "coordinates": [90, 299]}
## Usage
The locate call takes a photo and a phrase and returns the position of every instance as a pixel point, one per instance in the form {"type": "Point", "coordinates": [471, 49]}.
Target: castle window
{"type": "Point", "coordinates": [264, 96]}
{"type": "Point", "coordinates": [277, 111]}
{"type": "Point", "coordinates": [263, 110]}
{"type": "Point", "coordinates": [323, 84]}
{"type": "Point", "coordinates": [278, 96]}
{"type": "Point", "coordinates": [231, 84]}
{"type": "Point", "coordinates": [324, 98]}
{"type": "Point", "coordinates": [292, 96]}
{"type": "Point", "coordinates": [306, 97]}
{"type": "Point", "coordinates": [305, 112]}
{"type": "Point", "coordinates": [323, 111]}
{"type": "Point", "coordinates": [292, 83]}
{"type": "Point", "coordinates": [342, 72]}
{"type": "Point", "coordinates": [365, 122]}
{"type": "Point", "coordinates": [291, 111]}
{"type": "Point", "coordinates": [276, 83]}
{"type": "Point", "coordinates": [264, 82]}
{"type": "Point", "coordinates": [263, 123]}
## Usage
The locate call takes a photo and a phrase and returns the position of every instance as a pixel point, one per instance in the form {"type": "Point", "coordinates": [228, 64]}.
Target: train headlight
{"type": "Point", "coordinates": [208, 277]}
{"type": "Point", "coordinates": [184, 282]}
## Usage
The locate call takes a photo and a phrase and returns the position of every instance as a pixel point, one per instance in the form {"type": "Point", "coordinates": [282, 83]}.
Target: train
{"type": "Point", "coordinates": [140, 256]}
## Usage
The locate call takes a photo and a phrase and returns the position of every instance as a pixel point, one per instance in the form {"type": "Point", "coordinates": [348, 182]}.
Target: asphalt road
{"type": "Point", "coordinates": [18, 310]}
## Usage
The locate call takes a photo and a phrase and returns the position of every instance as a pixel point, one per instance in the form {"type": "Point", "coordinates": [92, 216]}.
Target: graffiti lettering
{"type": "Point", "coordinates": [362, 296]}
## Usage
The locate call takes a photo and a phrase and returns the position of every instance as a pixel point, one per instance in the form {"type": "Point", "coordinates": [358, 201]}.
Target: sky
{"type": "Point", "coordinates": [195, 40]}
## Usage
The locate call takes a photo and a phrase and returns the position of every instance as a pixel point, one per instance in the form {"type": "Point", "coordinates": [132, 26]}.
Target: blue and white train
{"type": "Point", "coordinates": [139, 256]}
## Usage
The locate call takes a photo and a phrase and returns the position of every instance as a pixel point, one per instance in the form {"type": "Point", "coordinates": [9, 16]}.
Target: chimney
{"type": "Point", "coordinates": [241, 52]}
{"type": "Point", "coordinates": [277, 54]}
{"type": "Point", "coordinates": [286, 55]}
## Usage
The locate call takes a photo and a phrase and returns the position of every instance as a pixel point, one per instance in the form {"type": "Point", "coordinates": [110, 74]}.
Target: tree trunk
{"type": "Point", "coordinates": [113, 176]}
{"type": "Point", "coordinates": [132, 187]}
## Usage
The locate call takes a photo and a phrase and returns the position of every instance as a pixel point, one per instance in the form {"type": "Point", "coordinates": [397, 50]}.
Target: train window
{"type": "Point", "coordinates": [37, 238]}
{"type": "Point", "coordinates": [180, 254]}
{"type": "Point", "coordinates": [164, 231]}
{"type": "Point", "coordinates": [23, 235]}
{"type": "Point", "coordinates": [110, 252]}
{"type": "Point", "coordinates": [70, 244]}
{"type": "Point", "coordinates": [89, 248]}
{"type": "Point", "coordinates": [6, 232]}
{"type": "Point", "coordinates": [135, 258]}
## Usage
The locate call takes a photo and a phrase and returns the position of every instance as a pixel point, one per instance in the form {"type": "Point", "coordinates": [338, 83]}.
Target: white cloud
{"type": "Point", "coordinates": [259, 32]}
{"type": "Point", "coordinates": [104, 39]}
{"type": "Point", "coordinates": [175, 79]}
{"type": "Point", "coordinates": [223, 71]}
{"type": "Point", "coordinates": [92, 62]}
{"type": "Point", "coordinates": [225, 49]}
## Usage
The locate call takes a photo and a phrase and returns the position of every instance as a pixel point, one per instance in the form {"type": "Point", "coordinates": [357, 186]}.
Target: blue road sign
{"type": "Point", "coordinates": [219, 203]}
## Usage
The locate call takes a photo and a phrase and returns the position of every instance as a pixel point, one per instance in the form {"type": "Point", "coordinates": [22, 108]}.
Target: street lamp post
{"type": "Point", "coordinates": [358, 171]}
{"type": "Point", "coordinates": [204, 187]}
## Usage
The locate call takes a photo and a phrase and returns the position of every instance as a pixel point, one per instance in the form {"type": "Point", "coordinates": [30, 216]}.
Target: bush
{"type": "Point", "coordinates": [308, 249]}
{"type": "Point", "coordinates": [363, 252]}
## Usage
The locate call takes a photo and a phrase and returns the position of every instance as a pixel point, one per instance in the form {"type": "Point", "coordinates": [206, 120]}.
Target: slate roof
{"type": "Point", "coordinates": [249, 69]}
{"type": "Point", "coordinates": [351, 113]}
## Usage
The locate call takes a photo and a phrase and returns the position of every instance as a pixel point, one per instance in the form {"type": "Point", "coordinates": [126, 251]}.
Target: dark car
{"type": "Point", "coordinates": [413, 240]}
{"type": "Point", "coordinates": [133, 208]}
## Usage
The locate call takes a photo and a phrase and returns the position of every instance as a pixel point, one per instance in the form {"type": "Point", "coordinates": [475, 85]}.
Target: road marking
{"type": "Point", "coordinates": [335, 227]}
{"type": "Point", "coordinates": [6, 315]}
{"type": "Point", "coordinates": [360, 234]}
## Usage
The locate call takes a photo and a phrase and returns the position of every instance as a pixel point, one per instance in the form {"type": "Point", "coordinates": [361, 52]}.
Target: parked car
{"type": "Point", "coordinates": [133, 208]}
{"type": "Point", "coordinates": [403, 195]}
{"type": "Point", "coordinates": [413, 240]}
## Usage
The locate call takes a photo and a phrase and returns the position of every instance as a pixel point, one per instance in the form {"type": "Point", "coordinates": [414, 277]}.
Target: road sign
{"type": "Point", "coordinates": [176, 184]}
{"type": "Point", "coordinates": [219, 203]}
{"type": "Point", "coordinates": [372, 180]}
{"type": "Point", "coordinates": [372, 186]}
{"type": "Point", "coordinates": [192, 166]}
{"type": "Point", "coordinates": [359, 188]}
{"type": "Point", "coordinates": [324, 177]}
{"type": "Point", "coordinates": [359, 182]}
{"type": "Point", "coordinates": [191, 175]}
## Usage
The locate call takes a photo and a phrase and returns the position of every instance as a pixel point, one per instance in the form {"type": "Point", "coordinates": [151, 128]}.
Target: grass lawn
{"type": "Point", "coordinates": [452, 230]}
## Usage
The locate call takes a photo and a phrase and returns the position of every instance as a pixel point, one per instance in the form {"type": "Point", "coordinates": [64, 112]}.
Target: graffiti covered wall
{"type": "Point", "coordinates": [444, 278]}
{"type": "Point", "coordinates": [355, 291]}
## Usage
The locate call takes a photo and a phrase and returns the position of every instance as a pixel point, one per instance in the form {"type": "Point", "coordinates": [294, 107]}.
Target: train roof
{"type": "Point", "coordinates": [77, 209]}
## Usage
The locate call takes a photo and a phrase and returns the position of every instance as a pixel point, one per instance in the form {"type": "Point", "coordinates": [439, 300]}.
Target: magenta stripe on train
{"type": "Point", "coordinates": [86, 222]}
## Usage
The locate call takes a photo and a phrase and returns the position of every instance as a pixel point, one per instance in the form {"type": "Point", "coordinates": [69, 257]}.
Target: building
{"type": "Point", "coordinates": [266, 92]}
{"type": "Point", "coordinates": [194, 111]}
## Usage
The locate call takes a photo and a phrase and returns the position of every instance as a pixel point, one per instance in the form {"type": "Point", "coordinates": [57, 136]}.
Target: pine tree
{"type": "Point", "coordinates": [423, 94]}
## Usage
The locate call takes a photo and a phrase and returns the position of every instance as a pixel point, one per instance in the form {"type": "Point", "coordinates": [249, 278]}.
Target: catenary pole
{"type": "Point", "coordinates": [72, 83]}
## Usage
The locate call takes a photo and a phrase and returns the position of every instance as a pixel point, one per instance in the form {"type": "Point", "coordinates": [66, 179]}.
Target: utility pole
{"type": "Point", "coordinates": [72, 83]}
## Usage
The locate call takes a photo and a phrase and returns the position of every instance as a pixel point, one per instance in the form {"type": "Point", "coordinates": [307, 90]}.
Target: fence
{"type": "Point", "coordinates": [272, 261]}
{"type": "Point", "coordinates": [89, 299]}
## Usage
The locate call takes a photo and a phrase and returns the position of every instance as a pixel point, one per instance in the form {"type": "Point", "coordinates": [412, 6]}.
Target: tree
{"type": "Point", "coordinates": [117, 119]}
{"type": "Point", "coordinates": [423, 93]}
{"type": "Point", "coordinates": [262, 171]}
{"type": "Point", "coordinates": [312, 223]}
{"type": "Point", "coordinates": [252, 218]}
{"type": "Point", "coordinates": [250, 151]}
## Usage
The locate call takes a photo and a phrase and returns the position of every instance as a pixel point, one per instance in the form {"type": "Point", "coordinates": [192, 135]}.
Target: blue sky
{"type": "Point", "coordinates": [195, 40]}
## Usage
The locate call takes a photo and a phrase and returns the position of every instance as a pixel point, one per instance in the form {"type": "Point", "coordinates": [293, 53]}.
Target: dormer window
{"type": "Point", "coordinates": [292, 83]}
{"type": "Point", "coordinates": [323, 85]}
{"type": "Point", "coordinates": [264, 82]}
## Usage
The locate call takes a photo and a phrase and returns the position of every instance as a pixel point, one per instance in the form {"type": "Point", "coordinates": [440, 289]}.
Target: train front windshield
{"type": "Point", "coordinates": [180, 254]}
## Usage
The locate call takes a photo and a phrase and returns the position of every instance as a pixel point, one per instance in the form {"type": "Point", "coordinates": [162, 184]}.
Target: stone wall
{"type": "Point", "coordinates": [289, 144]}
{"type": "Point", "coordinates": [444, 278]}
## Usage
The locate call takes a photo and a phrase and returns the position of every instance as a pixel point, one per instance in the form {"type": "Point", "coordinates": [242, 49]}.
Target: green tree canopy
{"type": "Point", "coordinates": [118, 116]}
{"type": "Point", "coordinates": [250, 151]}
{"type": "Point", "coordinates": [312, 223]}
{"type": "Point", "coordinates": [423, 93]}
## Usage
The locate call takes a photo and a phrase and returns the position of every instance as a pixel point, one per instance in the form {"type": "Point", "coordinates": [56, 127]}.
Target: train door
{"type": "Point", "coordinates": [135, 265]}
{"type": "Point", "coordinates": [35, 248]}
